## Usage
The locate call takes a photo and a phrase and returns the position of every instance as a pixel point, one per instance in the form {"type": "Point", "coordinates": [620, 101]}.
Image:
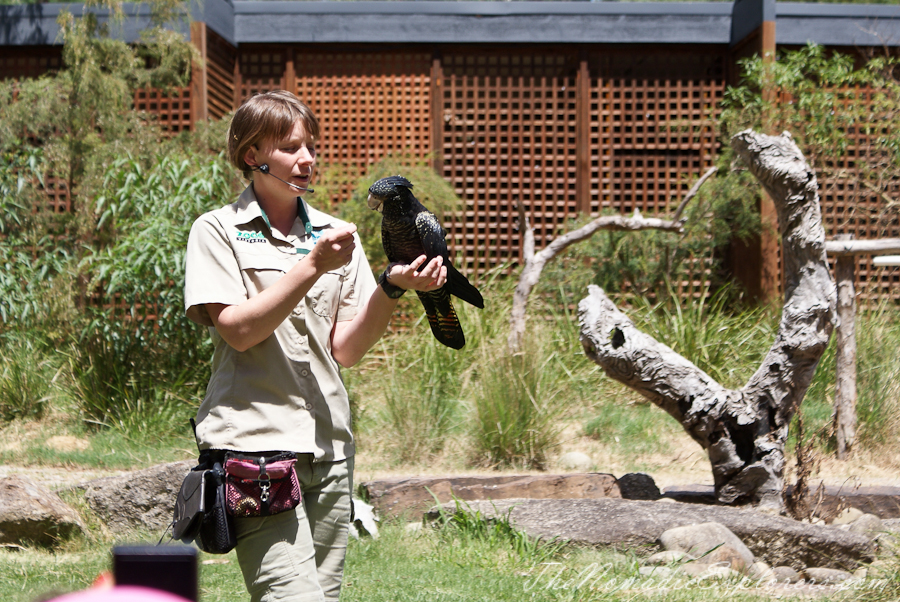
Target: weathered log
{"type": "Point", "coordinates": [744, 431]}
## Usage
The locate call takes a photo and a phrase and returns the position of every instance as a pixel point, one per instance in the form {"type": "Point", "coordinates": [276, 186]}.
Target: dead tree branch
{"type": "Point", "coordinates": [743, 430]}
{"type": "Point", "coordinates": [535, 262]}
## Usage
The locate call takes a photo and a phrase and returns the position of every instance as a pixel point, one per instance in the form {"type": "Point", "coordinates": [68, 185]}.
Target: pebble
{"type": "Point", "coordinates": [823, 576]}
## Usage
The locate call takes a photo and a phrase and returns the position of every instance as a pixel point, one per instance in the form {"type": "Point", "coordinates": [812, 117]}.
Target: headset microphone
{"type": "Point", "coordinates": [264, 168]}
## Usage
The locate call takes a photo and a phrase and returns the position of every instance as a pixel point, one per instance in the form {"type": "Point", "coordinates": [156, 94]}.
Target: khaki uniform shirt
{"type": "Point", "coordinates": [286, 392]}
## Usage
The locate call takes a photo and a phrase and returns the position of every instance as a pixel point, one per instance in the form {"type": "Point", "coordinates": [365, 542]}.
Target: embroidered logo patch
{"type": "Point", "coordinates": [251, 237]}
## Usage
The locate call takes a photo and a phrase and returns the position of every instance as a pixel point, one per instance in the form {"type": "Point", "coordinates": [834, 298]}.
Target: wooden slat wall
{"type": "Point", "coordinates": [508, 138]}
{"type": "Point", "coordinates": [561, 130]}
{"type": "Point", "coordinates": [172, 111]}
{"type": "Point", "coordinates": [369, 105]}
{"type": "Point", "coordinates": [220, 60]}
{"type": "Point", "coordinates": [59, 198]}
{"type": "Point", "coordinates": [654, 132]}
{"type": "Point", "coordinates": [260, 69]}
{"type": "Point", "coordinates": [864, 205]}
{"type": "Point", "coordinates": [29, 61]}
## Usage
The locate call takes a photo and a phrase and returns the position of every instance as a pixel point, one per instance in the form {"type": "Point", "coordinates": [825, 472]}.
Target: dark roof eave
{"type": "Point", "coordinates": [531, 29]}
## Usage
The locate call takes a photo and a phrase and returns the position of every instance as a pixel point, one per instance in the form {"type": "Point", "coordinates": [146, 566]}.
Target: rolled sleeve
{"type": "Point", "coordinates": [212, 274]}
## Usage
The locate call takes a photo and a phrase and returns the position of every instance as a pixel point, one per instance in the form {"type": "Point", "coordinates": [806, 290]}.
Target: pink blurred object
{"type": "Point", "coordinates": [121, 593]}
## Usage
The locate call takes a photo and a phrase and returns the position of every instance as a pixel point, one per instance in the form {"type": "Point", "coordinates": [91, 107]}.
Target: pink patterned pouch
{"type": "Point", "coordinates": [260, 485]}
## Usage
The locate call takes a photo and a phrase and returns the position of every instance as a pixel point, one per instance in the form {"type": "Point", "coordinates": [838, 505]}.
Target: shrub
{"type": "Point", "coordinates": [27, 378]}
{"type": "Point", "coordinates": [720, 337]}
{"type": "Point", "coordinates": [421, 394]}
{"type": "Point", "coordinates": [515, 421]}
{"type": "Point", "coordinates": [128, 357]}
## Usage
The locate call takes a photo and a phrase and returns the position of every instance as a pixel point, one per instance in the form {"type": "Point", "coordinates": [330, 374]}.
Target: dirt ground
{"type": "Point", "coordinates": [685, 463]}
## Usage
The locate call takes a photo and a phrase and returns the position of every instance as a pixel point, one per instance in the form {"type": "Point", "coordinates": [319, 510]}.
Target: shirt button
{"type": "Point", "coordinates": [304, 373]}
{"type": "Point", "coordinates": [309, 406]}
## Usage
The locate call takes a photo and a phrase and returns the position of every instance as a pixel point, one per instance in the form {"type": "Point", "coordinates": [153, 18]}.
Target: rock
{"type": "Point", "coordinates": [657, 572]}
{"type": "Point", "coordinates": [691, 494]}
{"type": "Point", "coordinates": [847, 516]}
{"type": "Point", "coordinates": [393, 497]}
{"type": "Point", "coordinates": [867, 524]}
{"type": "Point", "coordinates": [762, 572]}
{"type": "Point", "coordinates": [413, 527]}
{"type": "Point", "coordinates": [709, 543]}
{"type": "Point", "coordinates": [823, 576]}
{"type": "Point", "coordinates": [786, 574]}
{"type": "Point", "coordinates": [638, 486]}
{"type": "Point", "coordinates": [882, 501]}
{"type": "Point", "coordinates": [667, 557]}
{"type": "Point", "coordinates": [30, 513]}
{"type": "Point", "coordinates": [708, 571]}
{"type": "Point", "coordinates": [575, 461]}
{"type": "Point", "coordinates": [633, 523]}
{"type": "Point", "coordinates": [142, 499]}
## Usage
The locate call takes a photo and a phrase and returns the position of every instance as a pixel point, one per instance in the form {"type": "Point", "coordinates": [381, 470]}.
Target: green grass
{"type": "Point", "coordinates": [461, 556]}
{"type": "Point", "coordinates": [444, 565]}
{"type": "Point", "coordinates": [109, 449]}
{"type": "Point", "coordinates": [636, 429]}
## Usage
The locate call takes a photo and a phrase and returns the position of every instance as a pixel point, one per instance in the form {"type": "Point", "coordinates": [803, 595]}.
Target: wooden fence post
{"type": "Point", "coordinates": [844, 250]}
{"type": "Point", "coordinates": [199, 102]}
{"type": "Point", "coordinates": [845, 357]}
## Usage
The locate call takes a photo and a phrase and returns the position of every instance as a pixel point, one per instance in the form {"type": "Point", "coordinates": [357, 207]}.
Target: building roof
{"type": "Point", "coordinates": [426, 22]}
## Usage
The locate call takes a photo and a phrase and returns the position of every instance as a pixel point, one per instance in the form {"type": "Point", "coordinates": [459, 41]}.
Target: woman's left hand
{"type": "Point", "coordinates": [431, 277]}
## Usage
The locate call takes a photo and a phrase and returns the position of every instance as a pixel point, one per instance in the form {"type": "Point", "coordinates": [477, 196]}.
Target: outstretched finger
{"type": "Point", "coordinates": [417, 262]}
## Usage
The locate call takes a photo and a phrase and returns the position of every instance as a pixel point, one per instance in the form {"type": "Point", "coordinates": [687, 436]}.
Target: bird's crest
{"type": "Point", "coordinates": [394, 181]}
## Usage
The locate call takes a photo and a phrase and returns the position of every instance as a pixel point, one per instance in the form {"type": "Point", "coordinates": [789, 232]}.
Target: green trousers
{"type": "Point", "coordinates": [298, 556]}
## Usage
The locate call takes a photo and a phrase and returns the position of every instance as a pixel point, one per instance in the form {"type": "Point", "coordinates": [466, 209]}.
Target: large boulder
{"type": "Point", "coordinates": [639, 524]}
{"type": "Point", "coordinates": [415, 495]}
{"type": "Point", "coordinates": [31, 513]}
{"type": "Point", "coordinates": [143, 499]}
{"type": "Point", "coordinates": [710, 543]}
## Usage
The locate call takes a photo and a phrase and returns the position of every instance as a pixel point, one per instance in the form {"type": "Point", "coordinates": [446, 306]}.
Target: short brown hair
{"type": "Point", "coordinates": [265, 117]}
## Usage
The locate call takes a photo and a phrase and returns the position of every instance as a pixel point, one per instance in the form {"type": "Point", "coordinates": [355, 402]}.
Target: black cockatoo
{"type": "Point", "coordinates": [409, 230]}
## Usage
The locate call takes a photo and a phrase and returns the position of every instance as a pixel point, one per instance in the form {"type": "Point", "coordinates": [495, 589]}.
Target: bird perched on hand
{"type": "Point", "coordinates": [409, 230]}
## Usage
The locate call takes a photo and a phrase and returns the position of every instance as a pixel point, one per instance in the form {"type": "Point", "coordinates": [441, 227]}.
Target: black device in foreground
{"type": "Point", "coordinates": [170, 569]}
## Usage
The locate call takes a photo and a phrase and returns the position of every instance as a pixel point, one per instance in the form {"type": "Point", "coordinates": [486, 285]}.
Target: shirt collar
{"type": "Point", "coordinates": [248, 209]}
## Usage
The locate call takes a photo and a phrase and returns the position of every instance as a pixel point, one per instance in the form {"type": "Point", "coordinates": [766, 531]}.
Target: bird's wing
{"type": "Point", "coordinates": [387, 241]}
{"type": "Point", "coordinates": [431, 234]}
{"type": "Point", "coordinates": [460, 286]}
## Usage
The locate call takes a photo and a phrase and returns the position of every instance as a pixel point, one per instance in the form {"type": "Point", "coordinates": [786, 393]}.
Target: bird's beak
{"type": "Point", "coordinates": [373, 203]}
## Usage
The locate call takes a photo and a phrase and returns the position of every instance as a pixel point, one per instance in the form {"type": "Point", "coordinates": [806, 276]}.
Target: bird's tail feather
{"type": "Point", "coordinates": [460, 286]}
{"type": "Point", "coordinates": [442, 318]}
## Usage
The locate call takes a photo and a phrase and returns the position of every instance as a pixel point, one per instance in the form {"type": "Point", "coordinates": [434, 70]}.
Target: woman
{"type": "Point", "coordinates": [289, 298]}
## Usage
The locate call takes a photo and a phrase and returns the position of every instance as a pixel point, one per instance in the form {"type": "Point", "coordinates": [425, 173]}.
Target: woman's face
{"type": "Point", "coordinates": [292, 159]}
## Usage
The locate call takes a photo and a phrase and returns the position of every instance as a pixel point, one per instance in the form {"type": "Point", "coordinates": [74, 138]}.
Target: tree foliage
{"type": "Point", "coordinates": [843, 111]}
{"type": "Point", "coordinates": [135, 193]}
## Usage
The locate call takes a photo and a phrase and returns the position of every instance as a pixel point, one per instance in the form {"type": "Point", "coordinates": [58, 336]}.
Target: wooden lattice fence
{"type": "Point", "coordinates": [565, 130]}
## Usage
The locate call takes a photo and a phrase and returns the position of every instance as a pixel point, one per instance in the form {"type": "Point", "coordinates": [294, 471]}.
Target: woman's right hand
{"type": "Point", "coordinates": [333, 249]}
